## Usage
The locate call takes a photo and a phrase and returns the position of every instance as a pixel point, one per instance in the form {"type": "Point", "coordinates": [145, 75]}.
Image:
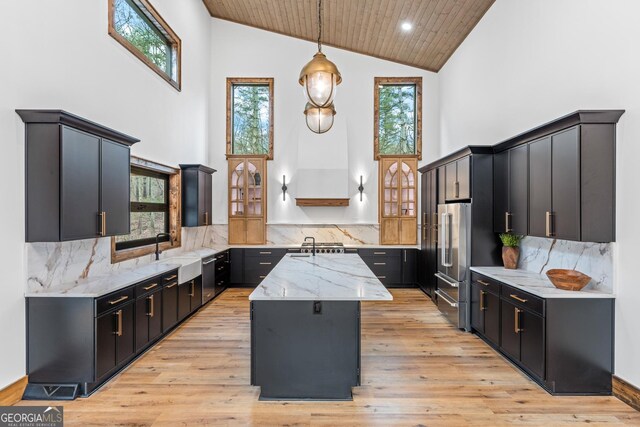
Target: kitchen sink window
{"type": "Point", "coordinates": [250, 117]}
{"type": "Point", "coordinates": [398, 117]}
{"type": "Point", "coordinates": [139, 27]}
{"type": "Point", "coordinates": [154, 190]}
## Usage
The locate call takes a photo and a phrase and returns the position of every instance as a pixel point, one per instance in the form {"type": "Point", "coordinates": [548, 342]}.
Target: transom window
{"type": "Point", "coordinates": [398, 117]}
{"type": "Point", "coordinates": [250, 116]}
{"type": "Point", "coordinates": [149, 195]}
{"type": "Point", "coordinates": [139, 28]}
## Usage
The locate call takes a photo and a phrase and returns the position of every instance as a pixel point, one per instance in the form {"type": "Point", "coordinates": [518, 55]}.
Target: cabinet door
{"type": "Point", "coordinates": [236, 258]}
{"type": "Point", "coordinates": [125, 344]}
{"type": "Point", "coordinates": [184, 300]}
{"type": "Point", "coordinates": [105, 344]}
{"type": "Point", "coordinates": [169, 306]}
{"type": "Point", "coordinates": [389, 231]}
{"type": "Point", "coordinates": [142, 323]}
{"type": "Point", "coordinates": [255, 231]}
{"type": "Point", "coordinates": [256, 181]}
{"type": "Point", "coordinates": [565, 191]}
{"type": "Point", "coordinates": [409, 266]}
{"type": "Point", "coordinates": [80, 185]}
{"type": "Point", "coordinates": [408, 231]}
{"type": "Point", "coordinates": [477, 308]}
{"type": "Point", "coordinates": [464, 178]}
{"type": "Point", "coordinates": [114, 187]}
{"type": "Point", "coordinates": [451, 179]}
{"type": "Point", "coordinates": [237, 231]}
{"type": "Point", "coordinates": [442, 185]}
{"type": "Point", "coordinates": [509, 336]}
{"type": "Point", "coordinates": [202, 199]}
{"type": "Point", "coordinates": [539, 186]}
{"type": "Point", "coordinates": [208, 278]}
{"type": "Point", "coordinates": [500, 191]}
{"type": "Point", "coordinates": [492, 318]}
{"type": "Point", "coordinates": [154, 307]}
{"type": "Point", "coordinates": [196, 294]}
{"type": "Point", "coordinates": [424, 231]}
{"type": "Point", "coordinates": [519, 190]}
{"type": "Point", "coordinates": [208, 194]}
{"type": "Point", "coordinates": [532, 343]}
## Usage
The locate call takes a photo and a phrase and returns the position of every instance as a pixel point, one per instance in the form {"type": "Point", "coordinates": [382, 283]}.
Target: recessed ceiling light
{"type": "Point", "coordinates": [406, 26]}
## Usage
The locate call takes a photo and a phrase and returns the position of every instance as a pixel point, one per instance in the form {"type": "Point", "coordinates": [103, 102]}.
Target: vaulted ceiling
{"type": "Point", "coordinates": [371, 27]}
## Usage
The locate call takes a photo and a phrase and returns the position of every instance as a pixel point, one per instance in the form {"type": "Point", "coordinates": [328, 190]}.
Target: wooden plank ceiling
{"type": "Point", "coordinates": [371, 27]}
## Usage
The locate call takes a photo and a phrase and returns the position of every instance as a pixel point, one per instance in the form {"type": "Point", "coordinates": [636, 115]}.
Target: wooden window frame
{"type": "Point", "coordinates": [381, 81]}
{"type": "Point", "coordinates": [231, 81]}
{"type": "Point", "coordinates": [161, 25]}
{"type": "Point", "coordinates": [175, 213]}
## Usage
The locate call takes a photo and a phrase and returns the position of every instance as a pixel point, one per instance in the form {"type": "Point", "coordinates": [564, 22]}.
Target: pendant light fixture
{"type": "Point", "coordinates": [319, 119]}
{"type": "Point", "coordinates": [320, 76]}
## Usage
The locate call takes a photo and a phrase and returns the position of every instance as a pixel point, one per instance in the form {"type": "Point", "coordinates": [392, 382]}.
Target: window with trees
{"type": "Point", "coordinates": [139, 28]}
{"type": "Point", "coordinates": [250, 116]}
{"type": "Point", "coordinates": [398, 117]}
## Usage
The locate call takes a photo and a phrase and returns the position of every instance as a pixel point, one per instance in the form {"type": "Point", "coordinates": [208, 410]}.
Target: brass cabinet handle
{"type": "Point", "coordinates": [102, 227]}
{"type": "Point", "coordinates": [379, 253]}
{"type": "Point", "coordinates": [171, 286]}
{"type": "Point", "coordinates": [549, 224]}
{"type": "Point", "coordinates": [170, 278]}
{"type": "Point", "coordinates": [122, 298]}
{"type": "Point", "coordinates": [206, 218]}
{"type": "Point", "coordinates": [381, 277]}
{"type": "Point", "coordinates": [265, 253]}
{"type": "Point", "coordinates": [192, 288]}
{"type": "Point", "coordinates": [150, 286]}
{"type": "Point", "coordinates": [104, 223]}
{"type": "Point", "coordinates": [118, 331]}
{"type": "Point", "coordinates": [379, 263]}
{"type": "Point", "coordinates": [507, 222]}
{"type": "Point", "coordinates": [517, 298]}
{"type": "Point", "coordinates": [483, 305]}
{"type": "Point", "coordinates": [151, 306]}
{"type": "Point", "coordinates": [405, 255]}
{"type": "Point", "coordinates": [516, 320]}
{"type": "Point", "coordinates": [208, 295]}
{"type": "Point", "coordinates": [482, 282]}
{"type": "Point", "coordinates": [424, 225]}
{"type": "Point", "coordinates": [262, 277]}
{"type": "Point", "coordinates": [265, 263]}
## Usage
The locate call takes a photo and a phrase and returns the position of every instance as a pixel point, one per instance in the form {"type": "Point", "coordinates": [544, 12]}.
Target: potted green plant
{"type": "Point", "coordinates": [510, 250]}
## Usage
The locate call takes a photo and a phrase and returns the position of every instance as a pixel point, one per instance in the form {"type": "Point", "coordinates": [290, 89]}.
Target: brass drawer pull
{"type": "Point", "coordinates": [265, 263]}
{"type": "Point", "coordinates": [150, 287]}
{"type": "Point", "coordinates": [116, 301]}
{"type": "Point", "coordinates": [262, 277]}
{"type": "Point", "coordinates": [171, 286]}
{"type": "Point", "coordinates": [379, 263]}
{"type": "Point", "coordinates": [517, 298]}
{"type": "Point", "coordinates": [516, 321]}
{"type": "Point", "coordinates": [118, 331]}
{"type": "Point", "coordinates": [170, 278]}
{"type": "Point", "coordinates": [151, 306]}
{"type": "Point", "coordinates": [265, 253]}
{"type": "Point", "coordinates": [482, 282]}
{"type": "Point", "coordinates": [379, 253]}
{"type": "Point", "coordinates": [483, 305]}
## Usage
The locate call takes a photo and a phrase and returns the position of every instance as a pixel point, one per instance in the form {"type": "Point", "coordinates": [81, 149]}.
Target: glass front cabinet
{"type": "Point", "coordinates": [398, 201]}
{"type": "Point", "coordinates": [247, 200]}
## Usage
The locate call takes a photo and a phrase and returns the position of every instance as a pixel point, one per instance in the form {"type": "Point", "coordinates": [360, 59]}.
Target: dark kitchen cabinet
{"type": "Point", "coordinates": [458, 179]}
{"type": "Point", "coordinates": [510, 335]}
{"type": "Point", "coordinates": [208, 278]}
{"type": "Point", "coordinates": [427, 258]}
{"type": "Point", "coordinates": [197, 191]}
{"type": "Point", "coordinates": [441, 191]}
{"type": "Point", "coordinates": [485, 312]}
{"type": "Point", "coordinates": [148, 317]}
{"type": "Point", "coordinates": [114, 339]}
{"type": "Point", "coordinates": [189, 297]}
{"type": "Point", "coordinates": [540, 187]}
{"type": "Point", "coordinates": [409, 266]}
{"type": "Point", "coordinates": [77, 177]}
{"type": "Point", "coordinates": [511, 191]}
{"type": "Point", "coordinates": [522, 337]}
{"type": "Point", "coordinates": [565, 188]}
{"type": "Point", "coordinates": [170, 305]}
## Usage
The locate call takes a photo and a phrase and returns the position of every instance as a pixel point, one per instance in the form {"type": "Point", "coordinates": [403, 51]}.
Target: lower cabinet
{"type": "Point", "coordinates": [564, 344]}
{"type": "Point", "coordinates": [394, 267]}
{"type": "Point", "coordinates": [86, 340]}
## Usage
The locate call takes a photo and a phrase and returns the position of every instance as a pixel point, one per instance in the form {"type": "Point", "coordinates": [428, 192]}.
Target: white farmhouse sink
{"type": "Point", "coordinates": [190, 267]}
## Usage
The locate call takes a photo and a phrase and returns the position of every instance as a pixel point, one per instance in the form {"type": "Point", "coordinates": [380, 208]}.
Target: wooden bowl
{"type": "Point", "coordinates": [568, 280]}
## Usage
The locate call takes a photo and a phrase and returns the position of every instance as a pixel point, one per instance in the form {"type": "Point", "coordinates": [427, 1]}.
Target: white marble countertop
{"type": "Point", "coordinates": [325, 277]}
{"type": "Point", "coordinates": [98, 286]}
{"type": "Point", "coordinates": [537, 284]}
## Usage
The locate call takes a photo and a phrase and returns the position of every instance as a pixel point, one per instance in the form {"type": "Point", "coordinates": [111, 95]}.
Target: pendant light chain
{"type": "Point", "coordinates": [319, 25]}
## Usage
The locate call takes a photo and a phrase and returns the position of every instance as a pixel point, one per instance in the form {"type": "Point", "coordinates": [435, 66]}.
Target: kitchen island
{"type": "Point", "coordinates": [305, 326]}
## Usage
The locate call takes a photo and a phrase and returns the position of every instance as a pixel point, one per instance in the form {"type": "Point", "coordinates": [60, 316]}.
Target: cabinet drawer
{"type": "Point", "coordinates": [485, 283]}
{"type": "Point", "coordinates": [379, 252]}
{"type": "Point", "coordinates": [221, 269]}
{"type": "Point", "coordinates": [171, 276]}
{"type": "Point", "coordinates": [114, 300]}
{"type": "Point", "coordinates": [383, 264]}
{"type": "Point", "coordinates": [524, 299]}
{"type": "Point", "coordinates": [221, 257]}
{"type": "Point", "coordinates": [269, 252]}
{"type": "Point", "coordinates": [148, 286]}
{"type": "Point", "coordinates": [257, 274]}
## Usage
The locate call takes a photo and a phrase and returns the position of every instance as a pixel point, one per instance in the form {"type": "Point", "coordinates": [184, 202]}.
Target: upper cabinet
{"type": "Point", "coordinates": [247, 200]}
{"type": "Point", "coordinates": [559, 179]}
{"type": "Point", "coordinates": [457, 180]}
{"type": "Point", "coordinates": [197, 190]}
{"type": "Point", "coordinates": [398, 213]}
{"type": "Point", "coordinates": [77, 177]}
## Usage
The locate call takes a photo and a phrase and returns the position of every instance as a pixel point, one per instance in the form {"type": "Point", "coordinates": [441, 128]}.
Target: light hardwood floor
{"type": "Point", "coordinates": [417, 370]}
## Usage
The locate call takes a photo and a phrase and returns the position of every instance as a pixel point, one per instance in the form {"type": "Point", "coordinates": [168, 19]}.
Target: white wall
{"type": "Point", "coordinates": [528, 62]}
{"type": "Point", "coordinates": [58, 55]}
{"type": "Point", "coordinates": [241, 51]}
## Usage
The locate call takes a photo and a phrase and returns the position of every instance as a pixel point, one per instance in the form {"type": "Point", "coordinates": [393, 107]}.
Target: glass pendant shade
{"type": "Point", "coordinates": [319, 119]}
{"type": "Point", "coordinates": [319, 79]}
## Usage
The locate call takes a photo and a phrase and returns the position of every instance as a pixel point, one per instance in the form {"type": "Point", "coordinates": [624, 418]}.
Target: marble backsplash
{"type": "Point", "coordinates": [594, 259]}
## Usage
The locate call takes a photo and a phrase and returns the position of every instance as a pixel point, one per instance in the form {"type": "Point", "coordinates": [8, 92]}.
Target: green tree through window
{"type": "Point", "coordinates": [397, 119]}
{"type": "Point", "coordinates": [251, 119]}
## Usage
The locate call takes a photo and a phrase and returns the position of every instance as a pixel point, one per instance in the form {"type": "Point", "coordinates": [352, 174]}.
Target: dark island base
{"type": "Point", "coordinates": [305, 350]}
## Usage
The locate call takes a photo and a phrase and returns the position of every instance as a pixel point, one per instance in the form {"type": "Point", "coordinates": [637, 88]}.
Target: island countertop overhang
{"type": "Point", "coordinates": [325, 277]}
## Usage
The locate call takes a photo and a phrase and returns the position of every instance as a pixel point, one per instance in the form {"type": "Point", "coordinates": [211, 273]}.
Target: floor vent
{"type": "Point", "coordinates": [50, 392]}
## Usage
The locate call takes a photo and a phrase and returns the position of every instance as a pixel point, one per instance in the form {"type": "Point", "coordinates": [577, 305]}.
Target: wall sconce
{"type": "Point", "coordinates": [361, 188]}
{"type": "Point", "coordinates": [284, 188]}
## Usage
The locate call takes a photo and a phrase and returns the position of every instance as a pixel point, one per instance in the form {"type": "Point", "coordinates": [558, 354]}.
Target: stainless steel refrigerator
{"type": "Point", "coordinates": [454, 255]}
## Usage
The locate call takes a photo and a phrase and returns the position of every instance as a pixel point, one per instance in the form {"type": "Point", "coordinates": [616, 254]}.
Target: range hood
{"type": "Point", "coordinates": [323, 167]}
